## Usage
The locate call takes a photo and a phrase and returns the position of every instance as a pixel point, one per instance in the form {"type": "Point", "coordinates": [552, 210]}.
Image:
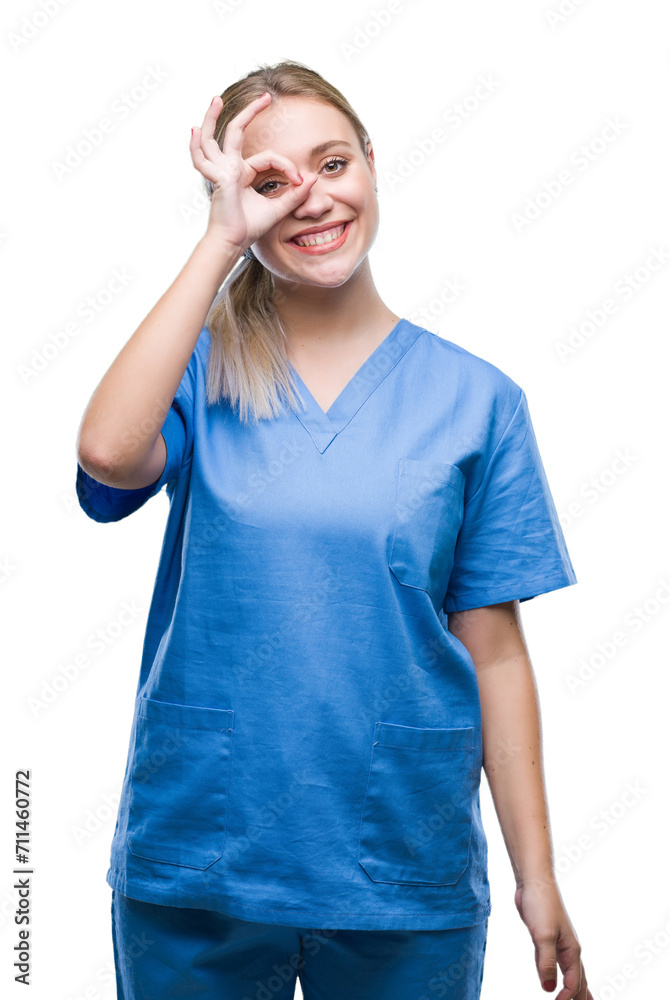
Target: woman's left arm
{"type": "Point", "coordinates": [512, 749]}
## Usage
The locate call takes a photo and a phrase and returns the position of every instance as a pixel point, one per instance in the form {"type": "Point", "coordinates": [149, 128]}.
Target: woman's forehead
{"type": "Point", "coordinates": [294, 126]}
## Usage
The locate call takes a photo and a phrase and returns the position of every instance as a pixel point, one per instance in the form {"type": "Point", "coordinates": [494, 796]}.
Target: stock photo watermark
{"type": "Point", "coordinates": [606, 650]}
{"type": "Point", "coordinates": [32, 24]}
{"type": "Point", "coordinates": [653, 946]}
{"type": "Point", "coordinates": [561, 12]}
{"type": "Point", "coordinates": [451, 291]}
{"type": "Point", "coordinates": [455, 116]}
{"type": "Point", "coordinates": [596, 487]}
{"type": "Point", "coordinates": [580, 160]}
{"type": "Point", "coordinates": [93, 136]}
{"type": "Point", "coordinates": [378, 19]}
{"type": "Point", "coordinates": [66, 674]}
{"type": "Point", "coordinates": [625, 288]}
{"type": "Point", "coordinates": [87, 309]}
{"type": "Point", "coordinates": [599, 825]}
{"type": "Point", "coordinates": [94, 820]}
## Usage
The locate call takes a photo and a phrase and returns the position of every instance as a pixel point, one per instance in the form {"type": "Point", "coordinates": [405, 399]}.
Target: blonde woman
{"type": "Point", "coordinates": [333, 650]}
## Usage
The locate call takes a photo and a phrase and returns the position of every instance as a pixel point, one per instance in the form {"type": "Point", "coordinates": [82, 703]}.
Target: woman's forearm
{"type": "Point", "coordinates": [512, 746]}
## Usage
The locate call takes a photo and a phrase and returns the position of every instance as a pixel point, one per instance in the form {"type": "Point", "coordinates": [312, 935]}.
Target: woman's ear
{"type": "Point", "coordinates": [371, 164]}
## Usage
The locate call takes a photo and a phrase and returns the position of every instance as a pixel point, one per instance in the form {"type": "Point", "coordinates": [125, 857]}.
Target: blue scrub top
{"type": "Point", "coordinates": [306, 744]}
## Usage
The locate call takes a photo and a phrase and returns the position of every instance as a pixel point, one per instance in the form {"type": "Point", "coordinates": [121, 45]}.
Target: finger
{"type": "Point", "coordinates": [545, 959]}
{"type": "Point", "coordinates": [209, 121]}
{"type": "Point", "coordinates": [571, 967]}
{"type": "Point", "coordinates": [234, 134]}
{"type": "Point", "coordinates": [206, 167]}
{"type": "Point", "coordinates": [208, 144]}
{"type": "Point", "coordinates": [268, 159]}
{"type": "Point", "coordinates": [584, 992]}
{"type": "Point", "coordinates": [288, 201]}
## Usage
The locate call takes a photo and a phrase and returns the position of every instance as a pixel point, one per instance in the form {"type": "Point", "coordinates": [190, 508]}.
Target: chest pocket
{"type": "Point", "coordinates": [177, 783]}
{"type": "Point", "coordinates": [429, 513]}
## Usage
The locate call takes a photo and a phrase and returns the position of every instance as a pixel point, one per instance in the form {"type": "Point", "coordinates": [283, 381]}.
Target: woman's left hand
{"type": "Point", "coordinates": [541, 908]}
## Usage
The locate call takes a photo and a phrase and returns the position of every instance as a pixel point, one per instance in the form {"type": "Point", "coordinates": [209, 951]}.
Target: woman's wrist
{"type": "Point", "coordinates": [540, 878]}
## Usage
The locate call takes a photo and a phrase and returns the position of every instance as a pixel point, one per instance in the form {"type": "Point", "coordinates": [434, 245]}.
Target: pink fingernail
{"type": "Point", "coordinates": [549, 984]}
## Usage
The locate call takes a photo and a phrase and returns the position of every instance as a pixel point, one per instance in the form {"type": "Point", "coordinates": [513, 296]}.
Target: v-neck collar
{"type": "Point", "coordinates": [324, 426]}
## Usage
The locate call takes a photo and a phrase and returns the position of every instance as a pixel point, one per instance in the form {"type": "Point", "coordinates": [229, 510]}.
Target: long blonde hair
{"type": "Point", "coordinates": [248, 363]}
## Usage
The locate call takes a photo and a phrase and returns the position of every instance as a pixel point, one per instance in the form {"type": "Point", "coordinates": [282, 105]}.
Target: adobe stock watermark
{"type": "Point", "coordinates": [433, 653]}
{"type": "Point", "coordinates": [137, 435]}
{"type": "Point", "coordinates": [32, 24]}
{"type": "Point", "coordinates": [202, 536]}
{"type": "Point", "coordinates": [175, 739]}
{"type": "Point", "coordinates": [378, 18]}
{"type": "Point", "coordinates": [458, 804]}
{"type": "Point", "coordinates": [606, 650]}
{"type": "Point", "coordinates": [93, 136]}
{"type": "Point", "coordinates": [450, 292]}
{"type": "Point", "coordinates": [561, 12]}
{"type": "Point", "coordinates": [443, 982]}
{"type": "Point", "coordinates": [311, 943]}
{"type": "Point", "coordinates": [625, 288]}
{"type": "Point", "coordinates": [650, 948]}
{"type": "Point", "coordinates": [595, 487]}
{"type": "Point", "coordinates": [454, 116]}
{"type": "Point", "coordinates": [600, 824]}
{"type": "Point", "coordinates": [95, 819]}
{"type": "Point", "coordinates": [580, 160]}
{"type": "Point", "coordinates": [443, 814]}
{"type": "Point", "coordinates": [299, 613]}
{"type": "Point", "coordinates": [99, 983]}
{"type": "Point", "coordinates": [223, 7]}
{"type": "Point", "coordinates": [67, 674]}
{"type": "Point", "coordinates": [87, 309]}
{"type": "Point", "coordinates": [267, 817]}
{"type": "Point", "coordinates": [7, 569]}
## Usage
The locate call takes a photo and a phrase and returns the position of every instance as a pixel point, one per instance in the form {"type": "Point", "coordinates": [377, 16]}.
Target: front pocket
{"type": "Point", "coordinates": [429, 513]}
{"type": "Point", "coordinates": [416, 824]}
{"type": "Point", "coordinates": [178, 783]}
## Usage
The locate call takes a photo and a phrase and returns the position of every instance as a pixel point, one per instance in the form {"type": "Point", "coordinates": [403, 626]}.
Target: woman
{"type": "Point", "coordinates": [333, 649]}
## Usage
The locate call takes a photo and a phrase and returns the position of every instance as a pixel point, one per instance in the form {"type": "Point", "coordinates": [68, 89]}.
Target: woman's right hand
{"type": "Point", "coordinates": [239, 215]}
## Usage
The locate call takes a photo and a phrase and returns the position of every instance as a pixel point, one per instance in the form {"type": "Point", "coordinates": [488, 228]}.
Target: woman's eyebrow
{"type": "Point", "coordinates": [324, 146]}
{"type": "Point", "coordinates": [315, 151]}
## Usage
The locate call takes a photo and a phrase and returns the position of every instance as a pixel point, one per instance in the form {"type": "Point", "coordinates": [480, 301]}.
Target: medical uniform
{"type": "Point", "coordinates": [306, 745]}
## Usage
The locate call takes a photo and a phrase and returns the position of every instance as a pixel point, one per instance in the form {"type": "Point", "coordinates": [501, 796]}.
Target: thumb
{"type": "Point", "coordinates": [545, 959]}
{"type": "Point", "coordinates": [296, 194]}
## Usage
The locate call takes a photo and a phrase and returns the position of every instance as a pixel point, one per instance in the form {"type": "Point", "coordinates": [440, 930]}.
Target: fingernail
{"type": "Point", "coordinates": [549, 984]}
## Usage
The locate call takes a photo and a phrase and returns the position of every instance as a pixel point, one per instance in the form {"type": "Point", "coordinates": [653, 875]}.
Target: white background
{"type": "Point", "coordinates": [131, 205]}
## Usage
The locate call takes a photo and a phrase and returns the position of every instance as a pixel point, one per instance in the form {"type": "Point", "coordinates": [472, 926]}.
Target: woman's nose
{"type": "Point", "coordinates": [316, 203]}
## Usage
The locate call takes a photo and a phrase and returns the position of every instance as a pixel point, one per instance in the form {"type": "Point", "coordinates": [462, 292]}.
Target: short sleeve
{"type": "Point", "coordinates": [110, 503]}
{"type": "Point", "coordinates": [511, 545]}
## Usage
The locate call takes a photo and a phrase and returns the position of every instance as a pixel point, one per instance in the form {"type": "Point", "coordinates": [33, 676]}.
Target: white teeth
{"type": "Point", "coordinates": [313, 241]}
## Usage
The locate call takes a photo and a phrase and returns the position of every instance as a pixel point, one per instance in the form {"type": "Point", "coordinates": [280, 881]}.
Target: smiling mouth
{"type": "Point", "coordinates": [323, 239]}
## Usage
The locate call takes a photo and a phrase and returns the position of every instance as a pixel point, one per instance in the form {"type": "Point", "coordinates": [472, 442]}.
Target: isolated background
{"type": "Point", "coordinates": [134, 205]}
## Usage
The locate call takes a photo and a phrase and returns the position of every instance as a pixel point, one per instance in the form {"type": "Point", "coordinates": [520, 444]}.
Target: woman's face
{"type": "Point", "coordinates": [344, 191]}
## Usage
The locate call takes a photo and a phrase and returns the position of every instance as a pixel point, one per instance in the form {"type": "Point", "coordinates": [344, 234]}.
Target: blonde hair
{"type": "Point", "coordinates": [248, 363]}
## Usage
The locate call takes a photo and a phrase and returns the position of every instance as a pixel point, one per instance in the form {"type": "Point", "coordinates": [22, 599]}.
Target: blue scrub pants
{"type": "Point", "coordinates": [170, 952]}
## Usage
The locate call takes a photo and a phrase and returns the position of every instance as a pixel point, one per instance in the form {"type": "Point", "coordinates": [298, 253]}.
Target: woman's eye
{"type": "Point", "coordinates": [335, 160]}
{"type": "Point", "coordinates": [261, 189]}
